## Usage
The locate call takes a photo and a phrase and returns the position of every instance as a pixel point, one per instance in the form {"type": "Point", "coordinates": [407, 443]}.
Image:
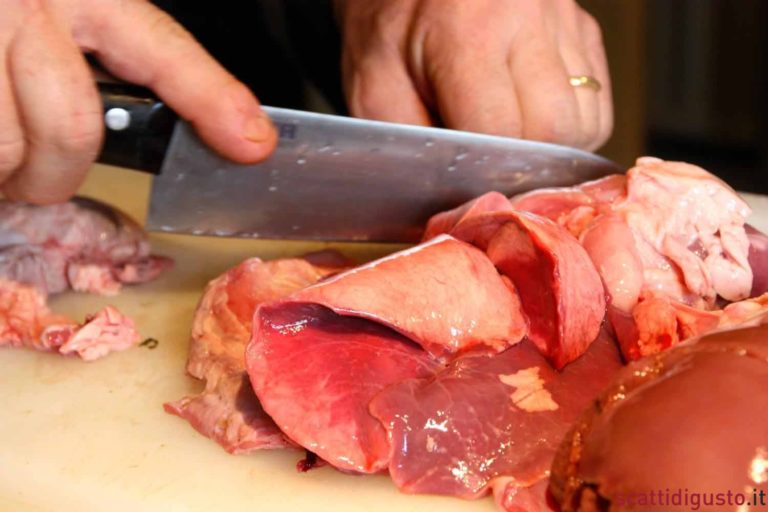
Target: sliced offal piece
{"type": "Point", "coordinates": [317, 358]}
{"type": "Point", "coordinates": [26, 321]}
{"type": "Point", "coordinates": [560, 290]}
{"type": "Point", "coordinates": [610, 244]}
{"type": "Point", "coordinates": [489, 421]}
{"type": "Point", "coordinates": [688, 421]}
{"type": "Point", "coordinates": [574, 208]}
{"type": "Point", "coordinates": [315, 372]}
{"type": "Point", "coordinates": [444, 295]}
{"type": "Point", "coordinates": [227, 411]}
{"type": "Point", "coordinates": [445, 222]}
{"type": "Point", "coordinates": [82, 245]}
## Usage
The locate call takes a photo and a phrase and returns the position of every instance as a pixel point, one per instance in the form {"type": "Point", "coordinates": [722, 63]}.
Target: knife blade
{"type": "Point", "coordinates": [331, 177]}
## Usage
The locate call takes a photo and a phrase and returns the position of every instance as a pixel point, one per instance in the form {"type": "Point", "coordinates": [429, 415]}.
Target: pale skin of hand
{"type": "Point", "coordinates": [493, 66]}
{"type": "Point", "coordinates": [51, 123]}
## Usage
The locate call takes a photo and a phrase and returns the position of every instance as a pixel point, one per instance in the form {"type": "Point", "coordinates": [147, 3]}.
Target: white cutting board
{"type": "Point", "coordinates": [81, 437]}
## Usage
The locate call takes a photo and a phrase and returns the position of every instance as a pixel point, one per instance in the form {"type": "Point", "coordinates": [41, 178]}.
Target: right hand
{"type": "Point", "coordinates": [51, 123]}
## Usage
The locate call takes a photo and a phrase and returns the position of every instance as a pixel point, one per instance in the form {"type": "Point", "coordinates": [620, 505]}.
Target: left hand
{"type": "Point", "coordinates": [493, 66]}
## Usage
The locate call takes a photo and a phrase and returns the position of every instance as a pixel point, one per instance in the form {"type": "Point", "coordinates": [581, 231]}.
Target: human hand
{"type": "Point", "coordinates": [51, 123]}
{"type": "Point", "coordinates": [491, 66]}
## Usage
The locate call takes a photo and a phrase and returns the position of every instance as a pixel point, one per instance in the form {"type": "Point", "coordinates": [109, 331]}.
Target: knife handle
{"type": "Point", "coordinates": [138, 127]}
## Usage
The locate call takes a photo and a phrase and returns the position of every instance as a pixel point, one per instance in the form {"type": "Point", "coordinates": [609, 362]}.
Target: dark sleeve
{"type": "Point", "coordinates": [277, 47]}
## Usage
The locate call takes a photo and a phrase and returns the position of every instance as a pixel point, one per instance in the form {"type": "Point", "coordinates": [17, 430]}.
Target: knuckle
{"type": "Point", "coordinates": [11, 155]}
{"type": "Point", "coordinates": [563, 132]}
{"type": "Point", "coordinates": [79, 135]}
{"type": "Point", "coordinates": [558, 124]}
{"type": "Point", "coordinates": [362, 98]}
{"type": "Point", "coordinates": [592, 29]}
{"type": "Point", "coordinates": [367, 95]}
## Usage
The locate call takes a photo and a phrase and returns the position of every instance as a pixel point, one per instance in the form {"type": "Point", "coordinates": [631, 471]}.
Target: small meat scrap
{"type": "Point", "coordinates": [26, 321]}
{"type": "Point", "coordinates": [82, 245]}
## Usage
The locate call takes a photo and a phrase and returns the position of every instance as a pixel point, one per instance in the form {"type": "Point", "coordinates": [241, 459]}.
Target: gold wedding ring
{"type": "Point", "coordinates": [585, 81]}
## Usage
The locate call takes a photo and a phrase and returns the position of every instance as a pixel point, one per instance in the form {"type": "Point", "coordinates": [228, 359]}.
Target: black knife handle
{"type": "Point", "coordinates": [138, 127]}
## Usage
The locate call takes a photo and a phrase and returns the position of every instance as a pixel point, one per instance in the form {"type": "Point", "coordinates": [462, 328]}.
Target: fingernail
{"type": "Point", "coordinates": [258, 128]}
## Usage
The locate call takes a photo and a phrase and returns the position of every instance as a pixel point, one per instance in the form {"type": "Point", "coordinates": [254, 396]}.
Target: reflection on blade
{"type": "Point", "coordinates": [336, 178]}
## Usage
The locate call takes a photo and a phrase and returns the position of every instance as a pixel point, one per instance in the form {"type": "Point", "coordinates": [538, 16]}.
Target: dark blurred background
{"type": "Point", "coordinates": [690, 77]}
{"type": "Point", "coordinates": [690, 83]}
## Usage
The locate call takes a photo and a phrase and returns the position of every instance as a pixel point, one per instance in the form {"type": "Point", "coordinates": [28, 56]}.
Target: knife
{"type": "Point", "coordinates": [331, 177]}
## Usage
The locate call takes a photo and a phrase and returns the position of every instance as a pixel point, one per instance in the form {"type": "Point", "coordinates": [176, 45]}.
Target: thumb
{"type": "Point", "coordinates": [138, 42]}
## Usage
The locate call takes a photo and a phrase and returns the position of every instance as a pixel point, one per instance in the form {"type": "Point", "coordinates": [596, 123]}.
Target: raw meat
{"type": "Point", "coordinates": [458, 365]}
{"type": "Point", "coordinates": [484, 419]}
{"type": "Point", "coordinates": [685, 421]}
{"type": "Point", "coordinates": [315, 373]}
{"type": "Point", "coordinates": [227, 411]}
{"type": "Point", "coordinates": [559, 288]}
{"type": "Point", "coordinates": [435, 295]}
{"type": "Point", "coordinates": [444, 295]}
{"type": "Point", "coordinates": [103, 332]}
{"type": "Point", "coordinates": [573, 208]}
{"type": "Point", "coordinates": [445, 222]}
{"type": "Point", "coordinates": [26, 321]}
{"type": "Point", "coordinates": [696, 222]}
{"type": "Point", "coordinates": [83, 245]}
{"type": "Point", "coordinates": [667, 248]}
{"type": "Point", "coordinates": [669, 241]}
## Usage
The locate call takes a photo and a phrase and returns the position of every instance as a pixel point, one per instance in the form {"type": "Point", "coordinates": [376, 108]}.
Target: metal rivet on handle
{"type": "Point", "coordinates": [117, 119]}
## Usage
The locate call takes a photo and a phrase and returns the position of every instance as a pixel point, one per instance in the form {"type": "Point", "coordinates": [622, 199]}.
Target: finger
{"type": "Point", "coordinates": [11, 135]}
{"type": "Point", "coordinates": [59, 109]}
{"type": "Point", "coordinates": [472, 95]}
{"type": "Point", "coordinates": [548, 104]}
{"type": "Point", "coordinates": [573, 54]}
{"type": "Point", "coordinates": [140, 43]}
{"type": "Point", "coordinates": [379, 87]}
{"type": "Point", "coordinates": [595, 53]}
